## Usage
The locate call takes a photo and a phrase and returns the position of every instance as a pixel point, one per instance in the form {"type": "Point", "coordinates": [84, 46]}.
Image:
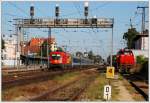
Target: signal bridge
{"type": "Point", "coordinates": [65, 23]}
{"type": "Point", "coordinates": [59, 23]}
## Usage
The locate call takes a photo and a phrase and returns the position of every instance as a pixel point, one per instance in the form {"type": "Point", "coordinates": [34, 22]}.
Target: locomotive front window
{"type": "Point", "coordinates": [127, 52]}
{"type": "Point", "coordinates": [56, 56]}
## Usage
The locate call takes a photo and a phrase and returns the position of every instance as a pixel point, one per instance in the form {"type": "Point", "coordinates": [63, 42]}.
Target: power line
{"type": "Point", "coordinates": [88, 29]}
{"type": "Point", "coordinates": [12, 15]}
{"type": "Point", "coordinates": [20, 9]}
{"type": "Point", "coordinates": [81, 15]}
{"type": "Point", "coordinates": [74, 13]}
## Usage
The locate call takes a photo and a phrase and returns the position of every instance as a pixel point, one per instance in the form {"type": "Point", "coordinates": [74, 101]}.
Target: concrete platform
{"type": "Point", "coordinates": [6, 70]}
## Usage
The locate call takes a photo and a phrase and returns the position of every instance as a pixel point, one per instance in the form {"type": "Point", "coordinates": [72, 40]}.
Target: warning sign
{"type": "Point", "coordinates": [110, 72]}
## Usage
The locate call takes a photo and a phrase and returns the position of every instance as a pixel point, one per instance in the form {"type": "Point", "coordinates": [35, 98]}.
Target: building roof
{"type": "Point", "coordinates": [39, 41]}
{"type": "Point", "coordinates": [34, 44]}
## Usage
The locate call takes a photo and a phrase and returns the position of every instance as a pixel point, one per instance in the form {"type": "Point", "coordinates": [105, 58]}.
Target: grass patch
{"type": "Point", "coordinates": [96, 89]}
{"type": "Point", "coordinates": [115, 93]}
{"type": "Point", "coordinates": [120, 77]}
{"type": "Point", "coordinates": [66, 76]}
{"type": "Point", "coordinates": [36, 88]}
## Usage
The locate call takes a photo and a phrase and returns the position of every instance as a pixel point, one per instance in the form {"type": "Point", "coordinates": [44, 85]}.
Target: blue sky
{"type": "Point", "coordinates": [97, 40]}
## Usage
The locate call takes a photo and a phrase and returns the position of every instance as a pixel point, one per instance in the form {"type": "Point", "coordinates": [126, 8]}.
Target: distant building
{"type": "Point", "coordinates": [8, 54]}
{"type": "Point", "coordinates": [34, 45]}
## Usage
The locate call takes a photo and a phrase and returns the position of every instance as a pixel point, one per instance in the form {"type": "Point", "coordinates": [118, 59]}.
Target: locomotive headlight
{"type": "Point", "coordinates": [58, 54]}
{"type": "Point", "coordinates": [59, 58]}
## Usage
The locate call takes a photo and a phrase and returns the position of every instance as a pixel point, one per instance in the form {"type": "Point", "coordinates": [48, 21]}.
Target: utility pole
{"type": "Point", "coordinates": [143, 16]}
{"type": "Point", "coordinates": [143, 22]}
{"type": "Point", "coordinates": [111, 56]}
{"type": "Point", "coordinates": [48, 46]}
{"type": "Point", "coordinates": [41, 53]}
{"type": "Point", "coordinates": [18, 32]}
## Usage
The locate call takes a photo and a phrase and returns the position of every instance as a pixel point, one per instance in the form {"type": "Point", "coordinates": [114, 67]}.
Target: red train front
{"type": "Point", "coordinates": [125, 60]}
{"type": "Point", "coordinates": [59, 58]}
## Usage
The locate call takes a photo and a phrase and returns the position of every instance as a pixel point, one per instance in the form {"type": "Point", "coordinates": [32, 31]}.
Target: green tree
{"type": "Point", "coordinates": [129, 37]}
{"type": "Point", "coordinates": [141, 59]}
{"type": "Point", "coordinates": [60, 49]}
{"type": "Point", "coordinates": [79, 54]}
{"type": "Point", "coordinates": [91, 55]}
{"type": "Point", "coordinates": [44, 49]}
{"type": "Point", "coordinates": [97, 59]}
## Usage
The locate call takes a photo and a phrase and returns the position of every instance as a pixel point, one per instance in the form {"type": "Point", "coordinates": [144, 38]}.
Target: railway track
{"type": "Point", "coordinates": [140, 84]}
{"type": "Point", "coordinates": [67, 92]}
{"type": "Point", "coordinates": [102, 68]}
{"type": "Point", "coordinates": [141, 88]}
{"type": "Point", "coordinates": [27, 78]}
{"type": "Point", "coordinates": [23, 80]}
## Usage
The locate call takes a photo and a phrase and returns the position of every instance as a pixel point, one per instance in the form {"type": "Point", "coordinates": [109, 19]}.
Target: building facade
{"type": "Point", "coordinates": [8, 54]}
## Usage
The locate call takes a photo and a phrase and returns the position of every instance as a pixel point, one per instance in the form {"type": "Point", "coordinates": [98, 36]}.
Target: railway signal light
{"type": "Point", "coordinates": [86, 9]}
{"type": "Point", "coordinates": [57, 11]}
{"type": "Point", "coordinates": [32, 11]}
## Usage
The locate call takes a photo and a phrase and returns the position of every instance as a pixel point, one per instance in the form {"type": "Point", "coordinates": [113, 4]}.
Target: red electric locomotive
{"type": "Point", "coordinates": [59, 59]}
{"type": "Point", "coordinates": [125, 60]}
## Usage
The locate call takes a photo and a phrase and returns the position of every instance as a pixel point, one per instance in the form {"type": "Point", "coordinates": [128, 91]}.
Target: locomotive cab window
{"type": "Point", "coordinates": [56, 56]}
{"type": "Point", "coordinates": [127, 53]}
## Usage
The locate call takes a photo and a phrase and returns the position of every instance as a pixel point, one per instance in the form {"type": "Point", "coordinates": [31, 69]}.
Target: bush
{"type": "Point", "coordinates": [142, 62]}
{"type": "Point", "coordinates": [141, 59]}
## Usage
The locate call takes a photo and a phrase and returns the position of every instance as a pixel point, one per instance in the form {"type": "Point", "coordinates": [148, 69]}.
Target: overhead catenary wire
{"type": "Point", "coordinates": [91, 10]}
{"type": "Point", "coordinates": [88, 29]}
{"type": "Point", "coordinates": [78, 9]}
{"type": "Point", "coordinates": [20, 9]}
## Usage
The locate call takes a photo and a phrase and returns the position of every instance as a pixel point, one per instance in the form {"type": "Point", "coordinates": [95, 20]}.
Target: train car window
{"type": "Point", "coordinates": [76, 60]}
